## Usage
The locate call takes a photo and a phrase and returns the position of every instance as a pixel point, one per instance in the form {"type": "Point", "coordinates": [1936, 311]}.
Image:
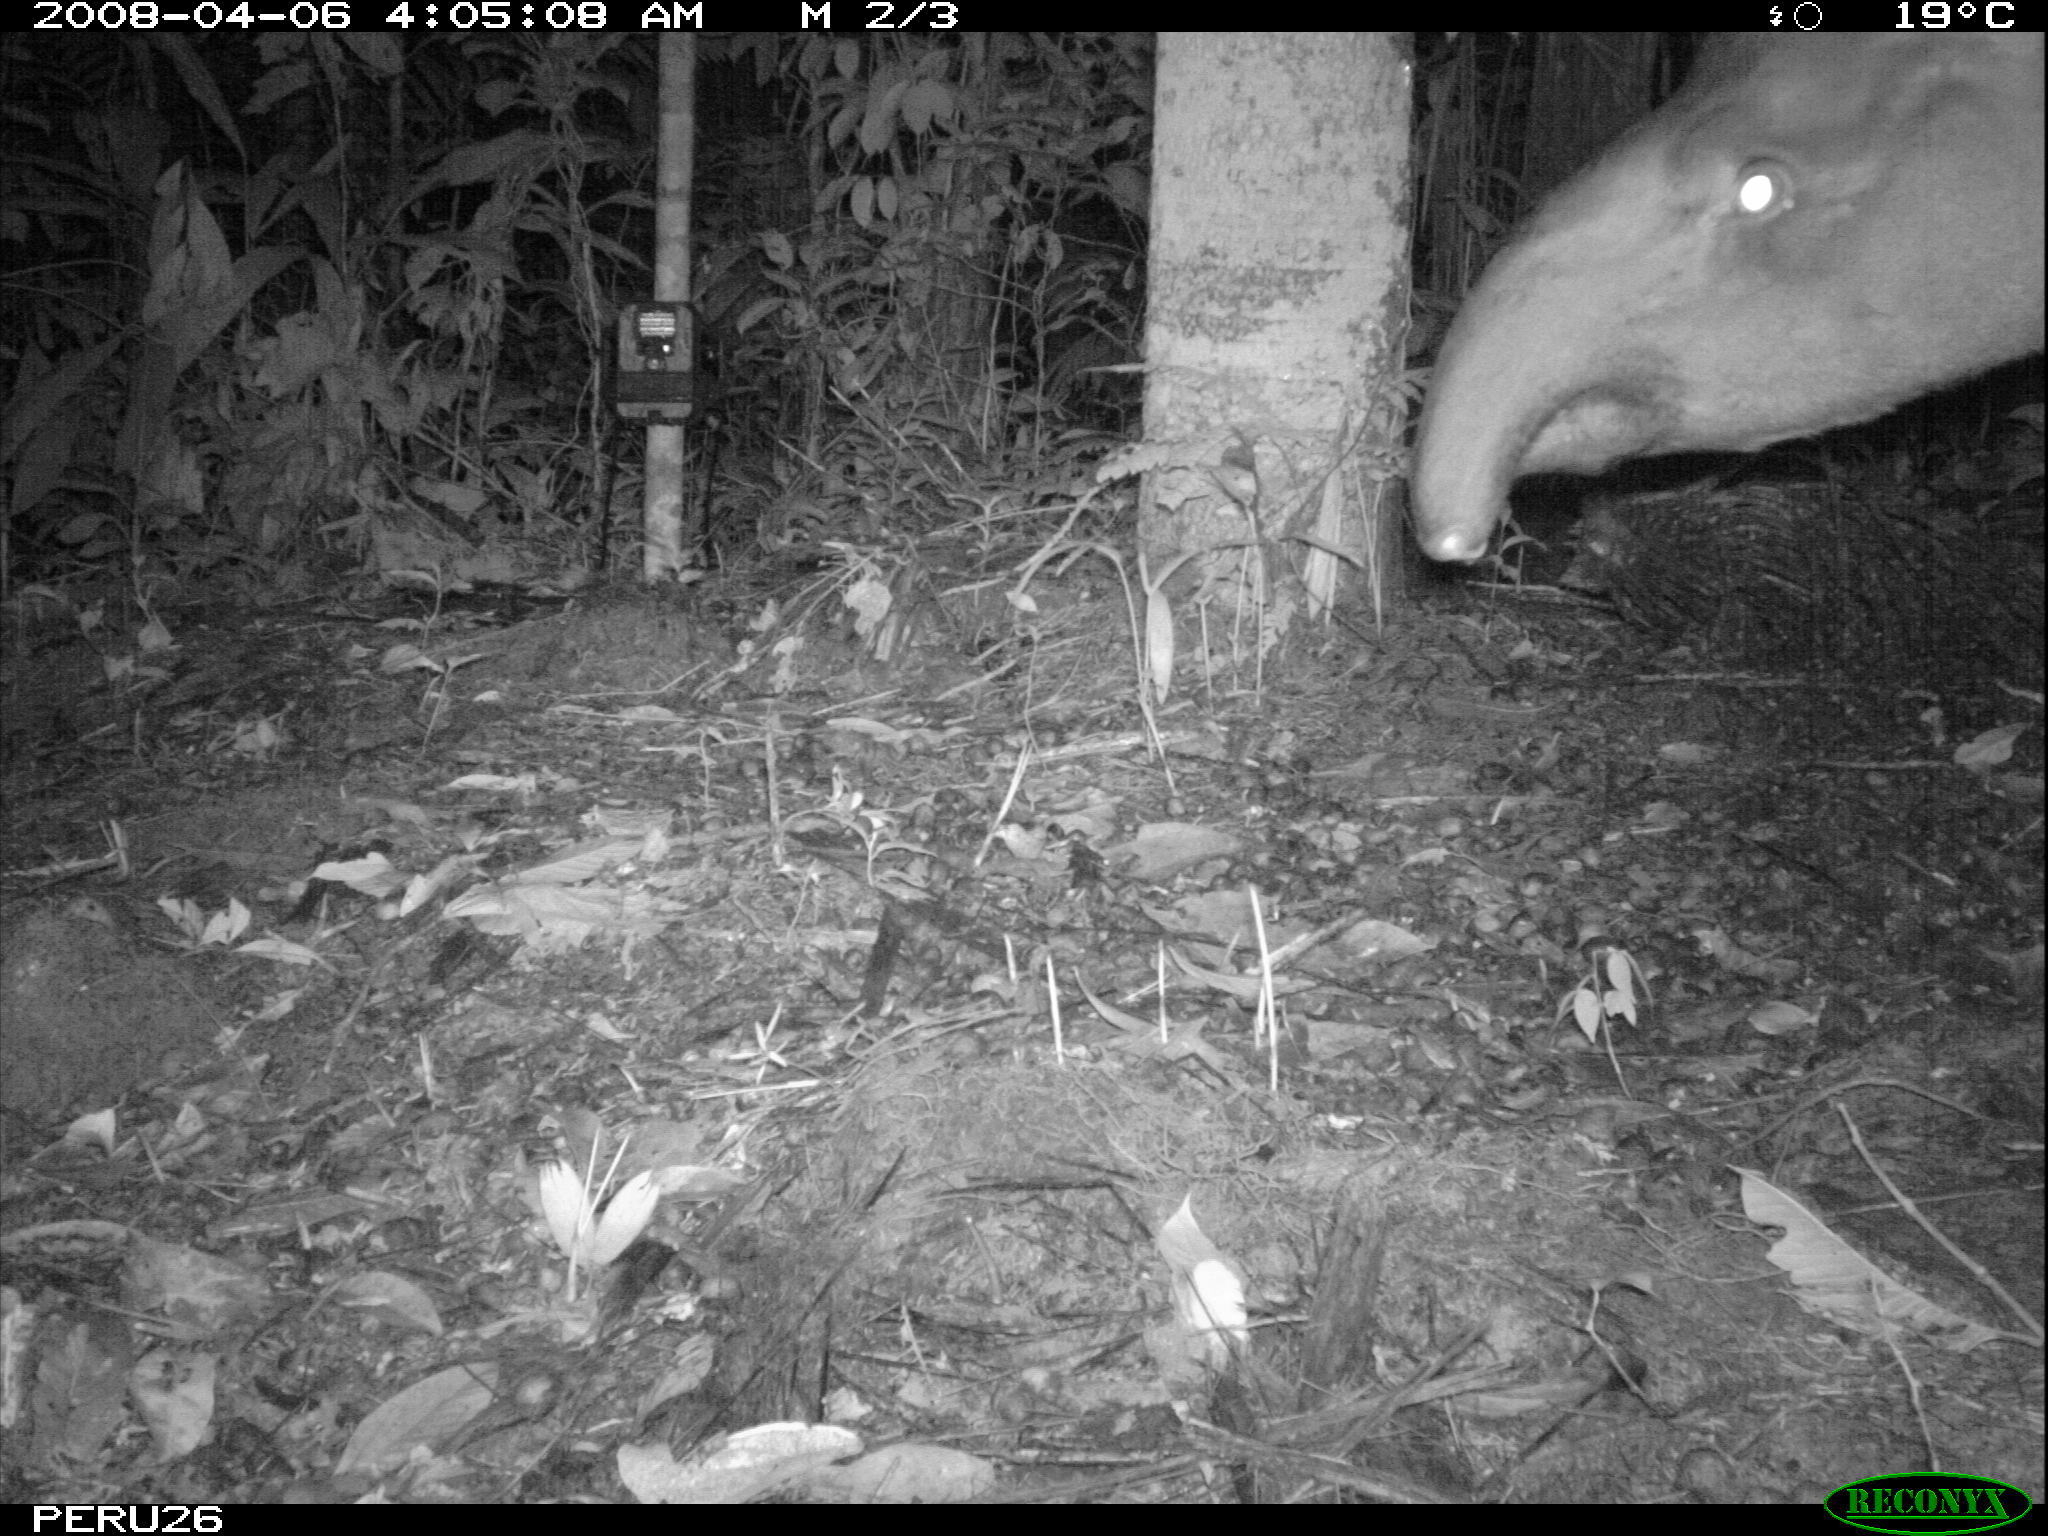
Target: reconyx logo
{"type": "Point", "coordinates": [1927, 1504]}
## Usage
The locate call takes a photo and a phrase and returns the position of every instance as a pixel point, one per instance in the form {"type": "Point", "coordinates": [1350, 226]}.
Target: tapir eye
{"type": "Point", "coordinates": [1763, 188]}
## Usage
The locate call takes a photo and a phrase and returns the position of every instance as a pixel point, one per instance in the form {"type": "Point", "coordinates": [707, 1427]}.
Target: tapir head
{"type": "Point", "coordinates": [1818, 228]}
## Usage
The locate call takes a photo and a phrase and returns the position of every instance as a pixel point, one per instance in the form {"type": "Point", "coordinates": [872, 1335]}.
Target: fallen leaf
{"type": "Point", "coordinates": [425, 1414]}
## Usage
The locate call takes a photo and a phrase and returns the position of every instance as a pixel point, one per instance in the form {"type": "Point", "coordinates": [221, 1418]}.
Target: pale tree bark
{"type": "Point", "coordinates": [1278, 270]}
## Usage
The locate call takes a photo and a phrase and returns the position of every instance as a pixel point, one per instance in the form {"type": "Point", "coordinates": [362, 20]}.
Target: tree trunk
{"type": "Point", "coordinates": [1277, 312]}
